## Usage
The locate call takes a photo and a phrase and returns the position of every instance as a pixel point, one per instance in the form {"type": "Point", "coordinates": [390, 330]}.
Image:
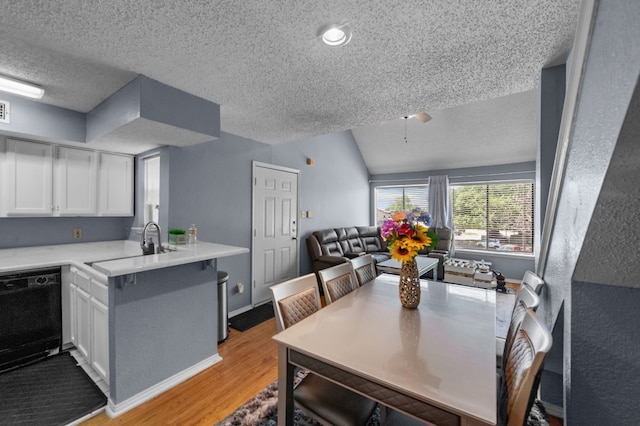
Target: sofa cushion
{"type": "Point", "coordinates": [328, 239]}
{"type": "Point", "coordinates": [354, 243]}
{"type": "Point", "coordinates": [380, 256]}
{"type": "Point", "coordinates": [370, 238]}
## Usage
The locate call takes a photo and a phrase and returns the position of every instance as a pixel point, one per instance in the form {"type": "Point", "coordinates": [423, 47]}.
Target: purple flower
{"type": "Point", "coordinates": [388, 228]}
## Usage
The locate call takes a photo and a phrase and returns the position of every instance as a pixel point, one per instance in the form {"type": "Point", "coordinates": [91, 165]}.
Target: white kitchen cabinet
{"type": "Point", "coordinates": [40, 179]}
{"type": "Point", "coordinates": [73, 323]}
{"type": "Point", "coordinates": [115, 185]}
{"type": "Point", "coordinates": [83, 322]}
{"type": "Point", "coordinates": [27, 184]}
{"type": "Point", "coordinates": [89, 319]}
{"type": "Point", "coordinates": [75, 182]}
{"type": "Point", "coordinates": [99, 353]}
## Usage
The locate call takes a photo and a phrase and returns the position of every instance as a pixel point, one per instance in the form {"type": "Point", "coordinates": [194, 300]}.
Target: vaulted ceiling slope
{"type": "Point", "coordinates": [264, 64]}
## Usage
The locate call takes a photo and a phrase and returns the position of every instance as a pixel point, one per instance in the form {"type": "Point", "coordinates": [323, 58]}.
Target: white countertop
{"type": "Point", "coordinates": [16, 259]}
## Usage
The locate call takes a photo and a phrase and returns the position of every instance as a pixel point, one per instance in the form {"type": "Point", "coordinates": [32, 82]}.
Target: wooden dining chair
{"type": "Point", "coordinates": [337, 281]}
{"type": "Point", "coordinates": [526, 299]}
{"type": "Point", "coordinates": [295, 300]}
{"type": "Point", "coordinates": [533, 281]}
{"type": "Point", "coordinates": [365, 269]}
{"type": "Point", "coordinates": [327, 402]}
{"type": "Point", "coordinates": [523, 367]}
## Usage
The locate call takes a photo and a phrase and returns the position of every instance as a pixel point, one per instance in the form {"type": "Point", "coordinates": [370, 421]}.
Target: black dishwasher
{"type": "Point", "coordinates": [30, 316]}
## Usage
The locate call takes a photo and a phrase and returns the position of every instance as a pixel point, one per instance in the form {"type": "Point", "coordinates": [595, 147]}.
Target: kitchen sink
{"type": "Point", "coordinates": [166, 250]}
{"type": "Point", "coordinates": [108, 260]}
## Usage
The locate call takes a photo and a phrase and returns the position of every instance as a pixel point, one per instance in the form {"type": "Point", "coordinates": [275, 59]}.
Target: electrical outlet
{"type": "Point", "coordinates": [77, 233]}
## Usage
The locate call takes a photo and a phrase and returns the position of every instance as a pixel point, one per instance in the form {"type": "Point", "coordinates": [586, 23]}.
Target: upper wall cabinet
{"type": "Point", "coordinates": [115, 185]}
{"type": "Point", "coordinates": [27, 181]}
{"type": "Point", "coordinates": [40, 179]}
{"type": "Point", "coordinates": [75, 182]}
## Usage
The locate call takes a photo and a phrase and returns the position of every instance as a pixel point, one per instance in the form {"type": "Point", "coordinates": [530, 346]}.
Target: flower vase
{"type": "Point", "coordinates": [409, 284]}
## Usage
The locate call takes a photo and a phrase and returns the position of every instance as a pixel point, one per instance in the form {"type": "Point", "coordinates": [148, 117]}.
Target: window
{"type": "Point", "coordinates": [496, 217]}
{"type": "Point", "coordinates": [151, 189]}
{"type": "Point", "coordinates": [390, 199]}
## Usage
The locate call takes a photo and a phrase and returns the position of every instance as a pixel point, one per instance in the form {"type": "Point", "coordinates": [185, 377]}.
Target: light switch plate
{"type": "Point", "coordinates": [303, 214]}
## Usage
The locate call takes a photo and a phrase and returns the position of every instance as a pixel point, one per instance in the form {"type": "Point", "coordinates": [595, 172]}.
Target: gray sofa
{"type": "Point", "coordinates": [333, 246]}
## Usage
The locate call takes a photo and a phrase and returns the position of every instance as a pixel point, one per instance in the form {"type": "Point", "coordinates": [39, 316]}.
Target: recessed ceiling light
{"type": "Point", "coordinates": [22, 88]}
{"type": "Point", "coordinates": [335, 35]}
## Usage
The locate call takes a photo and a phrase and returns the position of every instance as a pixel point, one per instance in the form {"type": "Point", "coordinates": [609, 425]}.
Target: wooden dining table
{"type": "Point", "coordinates": [435, 363]}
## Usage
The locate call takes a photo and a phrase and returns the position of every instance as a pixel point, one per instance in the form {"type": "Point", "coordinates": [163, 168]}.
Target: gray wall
{"type": "Point", "coordinates": [30, 119]}
{"type": "Point", "coordinates": [335, 188]}
{"type": "Point", "coordinates": [163, 324]}
{"type": "Point", "coordinates": [25, 231]}
{"type": "Point", "coordinates": [551, 93]}
{"type": "Point", "coordinates": [551, 100]}
{"type": "Point", "coordinates": [590, 269]}
{"type": "Point", "coordinates": [210, 186]}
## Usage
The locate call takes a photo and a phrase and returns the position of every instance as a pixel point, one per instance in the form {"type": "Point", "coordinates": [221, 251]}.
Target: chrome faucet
{"type": "Point", "coordinates": [149, 248]}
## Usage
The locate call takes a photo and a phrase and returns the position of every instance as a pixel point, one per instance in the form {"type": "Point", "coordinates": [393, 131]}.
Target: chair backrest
{"type": "Point", "coordinates": [446, 239]}
{"type": "Point", "coordinates": [337, 281]}
{"type": "Point", "coordinates": [528, 296]}
{"type": "Point", "coordinates": [294, 300]}
{"type": "Point", "coordinates": [523, 367]}
{"type": "Point", "coordinates": [364, 268]}
{"type": "Point", "coordinates": [526, 299]}
{"type": "Point", "coordinates": [533, 281]}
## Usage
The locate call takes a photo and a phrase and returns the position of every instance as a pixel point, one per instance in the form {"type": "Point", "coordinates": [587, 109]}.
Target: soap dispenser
{"type": "Point", "coordinates": [193, 234]}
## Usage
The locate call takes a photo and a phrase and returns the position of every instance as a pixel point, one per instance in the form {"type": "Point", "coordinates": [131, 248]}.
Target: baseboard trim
{"type": "Point", "coordinates": [240, 311]}
{"type": "Point", "coordinates": [553, 410]}
{"type": "Point", "coordinates": [114, 410]}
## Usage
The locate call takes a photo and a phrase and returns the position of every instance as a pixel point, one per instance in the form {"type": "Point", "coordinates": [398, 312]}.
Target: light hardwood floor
{"type": "Point", "coordinates": [249, 363]}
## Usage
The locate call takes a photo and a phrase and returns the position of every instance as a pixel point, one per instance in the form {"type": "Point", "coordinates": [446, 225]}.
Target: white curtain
{"type": "Point", "coordinates": [439, 202]}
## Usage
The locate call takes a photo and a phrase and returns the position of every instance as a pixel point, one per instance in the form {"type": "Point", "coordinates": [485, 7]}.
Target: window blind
{"type": "Point", "coordinates": [494, 216]}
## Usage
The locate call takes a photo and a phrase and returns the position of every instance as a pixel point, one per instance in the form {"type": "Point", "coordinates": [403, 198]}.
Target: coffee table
{"type": "Point", "coordinates": [425, 264]}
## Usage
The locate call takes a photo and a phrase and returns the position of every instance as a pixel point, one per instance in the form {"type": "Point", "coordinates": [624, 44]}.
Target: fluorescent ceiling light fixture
{"type": "Point", "coordinates": [335, 35]}
{"type": "Point", "coordinates": [22, 88]}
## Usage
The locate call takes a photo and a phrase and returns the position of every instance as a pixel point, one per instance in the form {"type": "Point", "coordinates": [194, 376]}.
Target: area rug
{"type": "Point", "coordinates": [262, 410]}
{"type": "Point", "coordinates": [251, 318]}
{"type": "Point", "coordinates": [55, 391]}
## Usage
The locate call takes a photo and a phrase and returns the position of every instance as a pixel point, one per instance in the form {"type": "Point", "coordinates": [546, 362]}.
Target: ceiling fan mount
{"type": "Point", "coordinates": [420, 116]}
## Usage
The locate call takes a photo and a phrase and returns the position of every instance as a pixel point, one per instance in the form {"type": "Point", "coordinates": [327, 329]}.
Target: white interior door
{"type": "Point", "coordinates": [275, 215]}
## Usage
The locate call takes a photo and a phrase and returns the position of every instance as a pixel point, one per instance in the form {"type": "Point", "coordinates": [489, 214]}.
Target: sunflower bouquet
{"type": "Point", "coordinates": [405, 236]}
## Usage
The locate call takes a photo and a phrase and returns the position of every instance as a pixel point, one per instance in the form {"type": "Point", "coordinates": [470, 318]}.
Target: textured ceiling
{"type": "Point", "coordinates": [275, 82]}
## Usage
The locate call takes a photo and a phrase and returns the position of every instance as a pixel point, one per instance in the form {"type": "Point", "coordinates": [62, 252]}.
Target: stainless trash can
{"type": "Point", "coordinates": [223, 306]}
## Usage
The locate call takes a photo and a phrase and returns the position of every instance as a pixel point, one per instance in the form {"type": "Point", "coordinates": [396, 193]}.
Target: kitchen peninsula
{"type": "Point", "coordinates": [161, 309]}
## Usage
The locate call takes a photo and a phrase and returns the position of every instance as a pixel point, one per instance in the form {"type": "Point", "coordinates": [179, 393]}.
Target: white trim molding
{"type": "Point", "coordinates": [114, 410]}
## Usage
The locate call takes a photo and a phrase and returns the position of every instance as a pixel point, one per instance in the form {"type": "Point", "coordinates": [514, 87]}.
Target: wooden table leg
{"type": "Point", "coordinates": [286, 372]}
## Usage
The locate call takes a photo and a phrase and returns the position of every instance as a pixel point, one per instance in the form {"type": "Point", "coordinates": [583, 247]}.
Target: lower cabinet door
{"type": "Point", "coordinates": [83, 322]}
{"type": "Point", "coordinates": [73, 319]}
{"type": "Point", "coordinates": [100, 339]}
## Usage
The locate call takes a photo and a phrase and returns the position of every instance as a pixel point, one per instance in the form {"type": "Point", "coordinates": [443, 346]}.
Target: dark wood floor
{"type": "Point", "coordinates": [249, 364]}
